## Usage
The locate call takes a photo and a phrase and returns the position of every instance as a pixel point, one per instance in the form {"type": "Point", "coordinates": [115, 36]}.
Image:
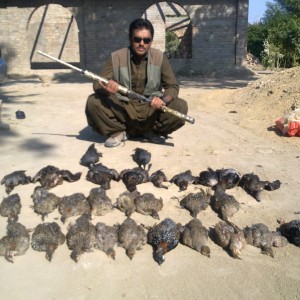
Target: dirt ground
{"type": "Point", "coordinates": [234, 128]}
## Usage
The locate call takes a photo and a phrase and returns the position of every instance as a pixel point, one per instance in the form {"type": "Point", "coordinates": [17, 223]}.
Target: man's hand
{"type": "Point", "coordinates": [111, 87]}
{"type": "Point", "coordinates": [157, 103]}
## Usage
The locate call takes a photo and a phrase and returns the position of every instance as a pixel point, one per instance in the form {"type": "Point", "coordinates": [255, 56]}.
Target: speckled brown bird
{"type": "Point", "coordinates": [157, 178]}
{"type": "Point", "coordinates": [195, 202]}
{"type": "Point", "coordinates": [100, 203]}
{"type": "Point", "coordinates": [13, 179]}
{"type": "Point", "coordinates": [106, 238]}
{"type": "Point", "coordinates": [226, 206]}
{"type": "Point", "coordinates": [47, 237]}
{"type": "Point", "coordinates": [91, 156]}
{"type": "Point", "coordinates": [125, 202]}
{"type": "Point", "coordinates": [10, 207]}
{"type": "Point", "coordinates": [182, 180]}
{"type": "Point", "coordinates": [252, 184]}
{"type": "Point", "coordinates": [229, 237]}
{"type": "Point", "coordinates": [164, 237]}
{"type": "Point", "coordinates": [51, 176]}
{"type": "Point", "coordinates": [131, 236]}
{"type": "Point", "coordinates": [260, 236]}
{"type": "Point", "coordinates": [195, 236]}
{"type": "Point", "coordinates": [133, 177]}
{"type": "Point", "coordinates": [73, 205]}
{"type": "Point", "coordinates": [16, 242]}
{"type": "Point", "coordinates": [147, 204]}
{"type": "Point", "coordinates": [81, 237]}
{"type": "Point", "coordinates": [44, 202]}
{"type": "Point", "coordinates": [142, 157]}
{"type": "Point", "coordinates": [291, 230]}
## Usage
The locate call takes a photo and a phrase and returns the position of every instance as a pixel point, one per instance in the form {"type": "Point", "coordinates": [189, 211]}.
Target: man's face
{"type": "Point", "coordinates": [141, 41]}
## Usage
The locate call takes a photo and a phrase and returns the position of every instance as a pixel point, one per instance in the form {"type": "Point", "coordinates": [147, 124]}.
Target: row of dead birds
{"type": "Point", "coordinates": [165, 236]}
{"type": "Point", "coordinates": [102, 175]}
{"type": "Point", "coordinates": [83, 236]}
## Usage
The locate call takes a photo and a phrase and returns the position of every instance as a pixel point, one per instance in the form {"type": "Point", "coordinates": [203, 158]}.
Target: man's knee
{"type": "Point", "coordinates": [91, 101]}
{"type": "Point", "coordinates": [179, 105]}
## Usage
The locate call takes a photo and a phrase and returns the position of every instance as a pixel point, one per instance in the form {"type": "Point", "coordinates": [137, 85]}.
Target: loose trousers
{"type": "Point", "coordinates": [107, 115]}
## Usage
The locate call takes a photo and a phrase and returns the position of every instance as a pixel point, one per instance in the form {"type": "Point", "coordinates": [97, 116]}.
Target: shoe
{"type": "Point", "coordinates": [116, 139]}
{"type": "Point", "coordinates": [154, 138]}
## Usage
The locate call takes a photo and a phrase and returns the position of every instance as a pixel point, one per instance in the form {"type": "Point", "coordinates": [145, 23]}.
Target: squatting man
{"type": "Point", "coordinates": [146, 71]}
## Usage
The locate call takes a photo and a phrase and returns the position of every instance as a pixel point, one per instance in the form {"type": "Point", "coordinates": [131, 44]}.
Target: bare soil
{"type": "Point", "coordinates": [234, 128]}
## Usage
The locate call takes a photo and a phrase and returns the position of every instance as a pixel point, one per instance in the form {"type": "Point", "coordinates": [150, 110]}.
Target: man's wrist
{"type": "Point", "coordinates": [167, 99]}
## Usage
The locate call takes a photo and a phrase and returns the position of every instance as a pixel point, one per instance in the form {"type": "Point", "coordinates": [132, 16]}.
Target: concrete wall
{"type": "Point", "coordinates": [84, 32]}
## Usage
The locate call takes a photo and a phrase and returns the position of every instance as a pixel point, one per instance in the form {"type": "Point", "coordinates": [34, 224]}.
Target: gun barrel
{"type": "Point", "coordinates": [60, 61]}
{"type": "Point", "coordinates": [122, 89]}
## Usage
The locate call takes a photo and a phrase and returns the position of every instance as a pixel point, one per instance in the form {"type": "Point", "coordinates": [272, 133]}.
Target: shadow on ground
{"type": "Point", "coordinates": [86, 134]}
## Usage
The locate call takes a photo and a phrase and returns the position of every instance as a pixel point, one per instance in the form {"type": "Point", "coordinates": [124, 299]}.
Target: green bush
{"type": "Point", "coordinates": [276, 40]}
{"type": "Point", "coordinates": [172, 44]}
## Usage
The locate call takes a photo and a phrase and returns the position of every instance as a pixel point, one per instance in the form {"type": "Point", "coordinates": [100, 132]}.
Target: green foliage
{"type": "Point", "coordinates": [257, 33]}
{"type": "Point", "coordinates": [277, 37]}
{"type": "Point", "coordinates": [172, 44]}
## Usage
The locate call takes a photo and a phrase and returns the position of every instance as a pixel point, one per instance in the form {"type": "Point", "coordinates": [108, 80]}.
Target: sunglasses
{"type": "Point", "coordinates": [137, 39]}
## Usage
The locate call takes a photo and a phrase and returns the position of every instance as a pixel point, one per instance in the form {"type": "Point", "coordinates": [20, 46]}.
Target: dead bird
{"type": "Point", "coordinates": [132, 237]}
{"type": "Point", "coordinates": [101, 168]}
{"type": "Point", "coordinates": [182, 180]}
{"type": "Point", "coordinates": [48, 177]}
{"type": "Point", "coordinates": [228, 178]}
{"type": "Point", "coordinates": [164, 237]}
{"type": "Point", "coordinates": [100, 203]}
{"type": "Point", "coordinates": [260, 236]}
{"type": "Point", "coordinates": [133, 177]}
{"type": "Point", "coordinates": [44, 202]}
{"type": "Point", "coordinates": [73, 205]}
{"type": "Point", "coordinates": [254, 186]}
{"type": "Point", "coordinates": [157, 178]}
{"type": "Point", "coordinates": [13, 179]}
{"type": "Point", "coordinates": [147, 204]}
{"type": "Point", "coordinates": [102, 175]}
{"type": "Point", "coordinates": [125, 202]}
{"type": "Point", "coordinates": [81, 237]}
{"type": "Point", "coordinates": [207, 178]}
{"type": "Point", "coordinates": [47, 237]}
{"type": "Point", "coordinates": [223, 204]}
{"type": "Point", "coordinates": [142, 157]}
{"type": "Point", "coordinates": [91, 156]}
{"type": "Point", "coordinates": [291, 230]}
{"type": "Point", "coordinates": [195, 202]}
{"type": "Point", "coordinates": [51, 176]}
{"type": "Point", "coordinates": [195, 236]}
{"type": "Point", "coordinates": [106, 238]}
{"type": "Point", "coordinates": [229, 237]}
{"type": "Point", "coordinates": [16, 242]}
{"type": "Point", "coordinates": [11, 207]}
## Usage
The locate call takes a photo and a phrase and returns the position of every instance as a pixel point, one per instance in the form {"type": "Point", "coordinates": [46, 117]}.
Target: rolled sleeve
{"type": "Point", "coordinates": [106, 73]}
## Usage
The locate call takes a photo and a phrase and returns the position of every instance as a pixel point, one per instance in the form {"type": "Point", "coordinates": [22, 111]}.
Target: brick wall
{"type": "Point", "coordinates": [85, 32]}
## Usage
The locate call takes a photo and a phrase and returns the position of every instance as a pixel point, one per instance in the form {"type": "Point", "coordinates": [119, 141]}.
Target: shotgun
{"type": "Point", "coordinates": [122, 89]}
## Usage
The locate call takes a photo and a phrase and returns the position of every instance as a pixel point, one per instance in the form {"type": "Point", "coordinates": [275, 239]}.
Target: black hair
{"type": "Point", "coordinates": [139, 24]}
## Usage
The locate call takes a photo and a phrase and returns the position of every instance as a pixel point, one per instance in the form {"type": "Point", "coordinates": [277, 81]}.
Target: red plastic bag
{"type": "Point", "coordinates": [289, 124]}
